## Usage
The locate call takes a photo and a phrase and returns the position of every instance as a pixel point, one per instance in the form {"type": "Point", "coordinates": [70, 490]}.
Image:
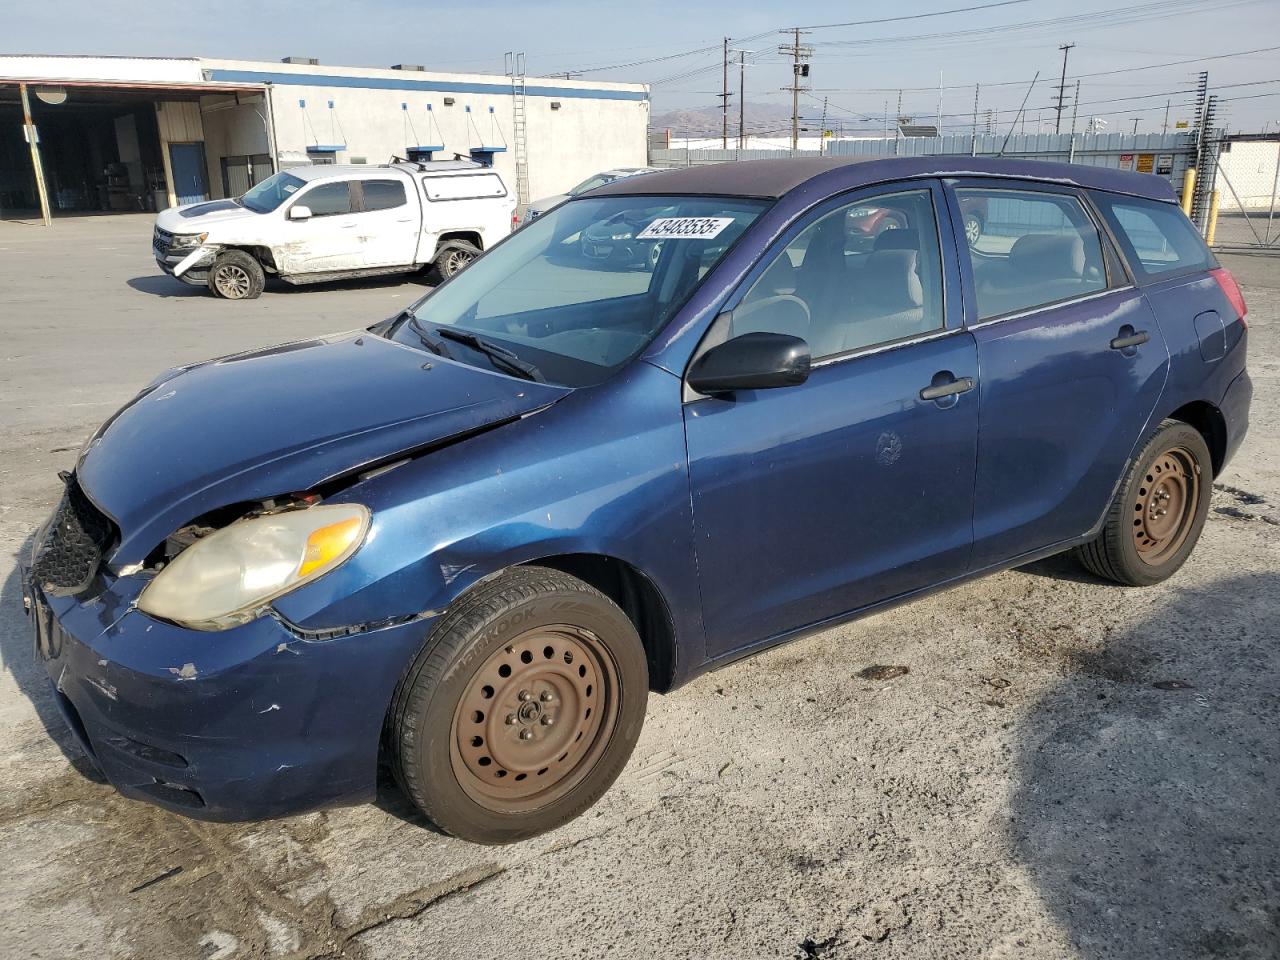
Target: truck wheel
{"type": "Point", "coordinates": [521, 710]}
{"type": "Point", "coordinates": [235, 275]}
{"type": "Point", "coordinates": [454, 258]}
{"type": "Point", "coordinates": [1158, 513]}
{"type": "Point", "coordinates": [972, 228]}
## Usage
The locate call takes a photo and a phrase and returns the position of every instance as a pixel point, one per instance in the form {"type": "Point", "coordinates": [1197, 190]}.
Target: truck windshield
{"type": "Point", "coordinates": [272, 192]}
{"type": "Point", "coordinates": [586, 287]}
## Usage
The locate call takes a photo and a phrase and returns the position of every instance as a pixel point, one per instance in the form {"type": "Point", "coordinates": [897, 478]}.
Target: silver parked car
{"type": "Point", "coordinates": [538, 207]}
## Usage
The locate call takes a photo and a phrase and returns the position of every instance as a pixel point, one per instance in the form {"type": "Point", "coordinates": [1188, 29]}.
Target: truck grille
{"type": "Point", "coordinates": [160, 242]}
{"type": "Point", "coordinates": [69, 556]}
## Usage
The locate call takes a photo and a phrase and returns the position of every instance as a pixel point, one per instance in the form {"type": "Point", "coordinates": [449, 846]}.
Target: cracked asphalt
{"type": "Point", "coordinates": [1065, 768]}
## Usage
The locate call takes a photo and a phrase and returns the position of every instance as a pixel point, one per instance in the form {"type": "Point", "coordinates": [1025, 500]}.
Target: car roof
{"type": "Point", "coordinates": [771, 179]}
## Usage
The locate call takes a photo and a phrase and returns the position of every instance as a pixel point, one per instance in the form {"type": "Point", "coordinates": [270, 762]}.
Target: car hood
{"type": "Point", "coordinates": [199, 217]}
{"type": "Point", "coordinates": [282, 420]}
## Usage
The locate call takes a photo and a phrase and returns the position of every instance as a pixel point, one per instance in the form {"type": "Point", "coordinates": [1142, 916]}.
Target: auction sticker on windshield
{"type": "Point", "coordinates": [684, 228]}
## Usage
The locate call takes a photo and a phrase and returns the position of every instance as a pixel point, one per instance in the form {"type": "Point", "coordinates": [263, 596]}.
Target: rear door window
{"type": "Point", "coordinates": [1157, 237]}
{"type": "Point", "coordinates": [1033, 249]}
{"type": "Point", "coordinates": [328, 199]}
{"type": "Point", "coordinates": [382, 194]}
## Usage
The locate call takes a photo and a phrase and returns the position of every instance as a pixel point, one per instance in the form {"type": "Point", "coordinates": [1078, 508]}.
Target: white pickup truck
{"type": "Point", "coordinates": [330, 222]}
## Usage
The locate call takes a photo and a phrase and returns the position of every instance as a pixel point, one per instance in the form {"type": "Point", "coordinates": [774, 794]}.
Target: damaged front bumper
{"type": "Point", "coordinates": [243, 724]}
{"type": "Point", "coordinates": [190, 267]}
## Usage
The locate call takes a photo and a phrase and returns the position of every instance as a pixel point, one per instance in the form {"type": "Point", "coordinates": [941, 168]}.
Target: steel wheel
{"type": "Point", "coordinates": [233, 281]}
{"type": "Point", "coordinates": [1165, 505]}
{"type": "Point", "coordinates": [534, 719]}
{"type": "Point", "coordinates": [655, 253]}
{"type": "Point", "coordinates": [455, 260]}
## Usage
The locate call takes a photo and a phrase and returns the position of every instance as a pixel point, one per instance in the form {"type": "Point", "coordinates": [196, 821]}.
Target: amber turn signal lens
{"type": "Point", "coordinates": [328, 543]}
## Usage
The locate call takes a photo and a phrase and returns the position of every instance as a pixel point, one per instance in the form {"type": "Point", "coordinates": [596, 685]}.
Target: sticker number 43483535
{"type": "Point", "coordinates": [684, 228]}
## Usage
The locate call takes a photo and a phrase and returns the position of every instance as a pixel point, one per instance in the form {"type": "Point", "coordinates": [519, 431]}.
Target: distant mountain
{"type": "Point", "coordinates": [762, 118]}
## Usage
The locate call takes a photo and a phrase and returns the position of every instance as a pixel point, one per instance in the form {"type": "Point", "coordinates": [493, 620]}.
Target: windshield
{"type": "Point", "coordinates": [599, 180]}
{"type": "Point", "coordinates": [584, 288]}
{"type": "Point", "coordinates": [272, 192]}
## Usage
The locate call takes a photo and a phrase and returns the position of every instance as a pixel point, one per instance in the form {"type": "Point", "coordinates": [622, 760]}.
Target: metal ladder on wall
{"type": "Point", "coordinates": [519, 130]}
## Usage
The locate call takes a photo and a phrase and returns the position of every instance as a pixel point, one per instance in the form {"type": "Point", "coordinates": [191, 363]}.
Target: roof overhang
{"type": "Point", "coordinates": [199, 89]}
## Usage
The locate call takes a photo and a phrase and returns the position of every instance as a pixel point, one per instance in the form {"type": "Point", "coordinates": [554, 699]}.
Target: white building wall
{"type": "Point", "coordinates": [589, 131]}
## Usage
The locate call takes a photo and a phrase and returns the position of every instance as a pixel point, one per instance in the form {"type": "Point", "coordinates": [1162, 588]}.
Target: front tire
{"type": "Point", "coordinates": [521, 710]}
{"type": "Point", "coordinates": [235, 275]}
{"type": "Point", "coordinates": [1158, 512]}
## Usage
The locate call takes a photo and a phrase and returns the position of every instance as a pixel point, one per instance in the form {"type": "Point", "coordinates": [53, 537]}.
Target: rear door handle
{"type": "Point", "coordinates": [1132, 340]}
{"type": "Point", "coordinates": [940, 390]}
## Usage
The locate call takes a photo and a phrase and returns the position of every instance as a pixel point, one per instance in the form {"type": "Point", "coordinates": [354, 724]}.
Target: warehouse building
{"type": "Point", "coordinates": [138, 134]}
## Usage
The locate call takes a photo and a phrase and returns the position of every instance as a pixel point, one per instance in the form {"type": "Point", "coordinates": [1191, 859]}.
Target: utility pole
{"type": "Point", "coordinates": [1062, 86]}
{"type": "Point", "coordinates": [1135, 126]}
{"type": "Point", "coordinates": [724, 100]}
{"type": "Point", "coordinates": [976, 88]}
{"type": "Point", "coordinates": [822, 131]}
{"type": "Point", "coordinates": [799, 71]}
{"type": "Point", "coordinates": [1165, 129]}
{"type": "Point", "coordinates": [742, 98]}
{"type": "Point", "coordinates": [886, 119]}
{"type": "Point", "coordinates": [1075, 106]}
{"type": "Point", "coordinates": [897, 127]}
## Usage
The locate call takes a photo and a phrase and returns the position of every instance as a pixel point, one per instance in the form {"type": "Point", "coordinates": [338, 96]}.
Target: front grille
{"type": "Point", "coordinates": [161, 240]}
{"type": "Point", "coordinates": [68, 558]}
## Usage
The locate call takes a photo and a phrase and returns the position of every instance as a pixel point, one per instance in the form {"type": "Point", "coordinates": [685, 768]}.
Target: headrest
{"type": "Point", "coordinates": [897, 240]}
{"type": "Point", "coordinates": [1047, 256]}
{"type": "Point", "coordinates": [891, 281]}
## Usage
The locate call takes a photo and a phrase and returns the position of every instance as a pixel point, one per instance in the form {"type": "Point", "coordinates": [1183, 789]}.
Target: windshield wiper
{"type": "Point", "coordinates": [498, 356]}
{"type": "Point", "coordinates": [430, 341]}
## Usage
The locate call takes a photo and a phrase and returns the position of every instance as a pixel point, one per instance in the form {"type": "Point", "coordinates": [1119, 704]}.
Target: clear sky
{"type": "Point", "coordinates": [856, 67]}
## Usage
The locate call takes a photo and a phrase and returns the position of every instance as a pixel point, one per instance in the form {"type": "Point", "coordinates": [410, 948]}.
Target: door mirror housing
{"type": "Point", "coordinates": [299, 211]}
{"type": "Point", "coordinates": [753, 361]}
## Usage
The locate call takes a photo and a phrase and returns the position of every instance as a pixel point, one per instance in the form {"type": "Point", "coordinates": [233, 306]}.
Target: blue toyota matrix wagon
{"type": "Point", "coordinates": [473, 537]}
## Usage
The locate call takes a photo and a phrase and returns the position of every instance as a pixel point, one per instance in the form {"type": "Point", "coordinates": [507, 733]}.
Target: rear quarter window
{"type": "Point", "coordinates": [1157, 238]}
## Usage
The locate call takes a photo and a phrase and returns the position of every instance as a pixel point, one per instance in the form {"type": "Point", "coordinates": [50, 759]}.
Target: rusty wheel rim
{"type": "Point", "coordinates": [1165, 505]}
{"type": "Point", "coordinates": [534, 719]}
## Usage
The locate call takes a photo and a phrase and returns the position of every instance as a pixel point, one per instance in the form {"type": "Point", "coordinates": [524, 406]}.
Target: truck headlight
{"type": "Point", "coordinates": [187, 241]}
{"type": "Point", "coordinates": [230, 576]}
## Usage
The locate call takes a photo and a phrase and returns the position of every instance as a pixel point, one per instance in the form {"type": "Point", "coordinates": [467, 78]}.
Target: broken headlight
{"type": "Point", "coordinates": [229, 577]}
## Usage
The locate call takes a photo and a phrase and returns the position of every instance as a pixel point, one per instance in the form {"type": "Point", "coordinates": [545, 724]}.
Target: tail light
{"type": "Point", "coordinates": [1232, 290]}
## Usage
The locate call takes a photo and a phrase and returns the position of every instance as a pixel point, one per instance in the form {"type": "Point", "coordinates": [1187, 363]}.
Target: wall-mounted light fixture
{"type": "Point", "coordinates": [555, 104]}
{"type": "Point", "coordinates": [448, 101]}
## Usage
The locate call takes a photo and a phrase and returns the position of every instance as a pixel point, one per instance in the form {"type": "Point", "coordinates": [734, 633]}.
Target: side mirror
{"type": "Point", "coordinates": [753, 361]}
{"type": "Point", "coordinates": [299, 212]}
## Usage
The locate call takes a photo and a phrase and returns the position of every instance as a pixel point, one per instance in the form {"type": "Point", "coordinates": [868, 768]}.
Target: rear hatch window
{"type": "Point", "coordinates": [1157, 237]}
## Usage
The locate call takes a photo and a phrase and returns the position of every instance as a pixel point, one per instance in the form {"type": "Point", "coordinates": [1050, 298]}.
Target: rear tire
{"type": "Point", "coordinates": [453, 258]}
{"type": "Point", "coordinates": [521, 710]}
{"type": "Point", "coordinates": [235, 275]}
{"type": "Point", "coordinates": [1158, 512]}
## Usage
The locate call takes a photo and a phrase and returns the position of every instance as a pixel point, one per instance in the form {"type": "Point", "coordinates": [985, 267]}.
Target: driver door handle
{"type": "Point", "coordinates": [940, 390]}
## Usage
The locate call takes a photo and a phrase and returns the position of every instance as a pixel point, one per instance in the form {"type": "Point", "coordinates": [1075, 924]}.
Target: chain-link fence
{"type": "Point", "coordinates": [1248, 189]}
